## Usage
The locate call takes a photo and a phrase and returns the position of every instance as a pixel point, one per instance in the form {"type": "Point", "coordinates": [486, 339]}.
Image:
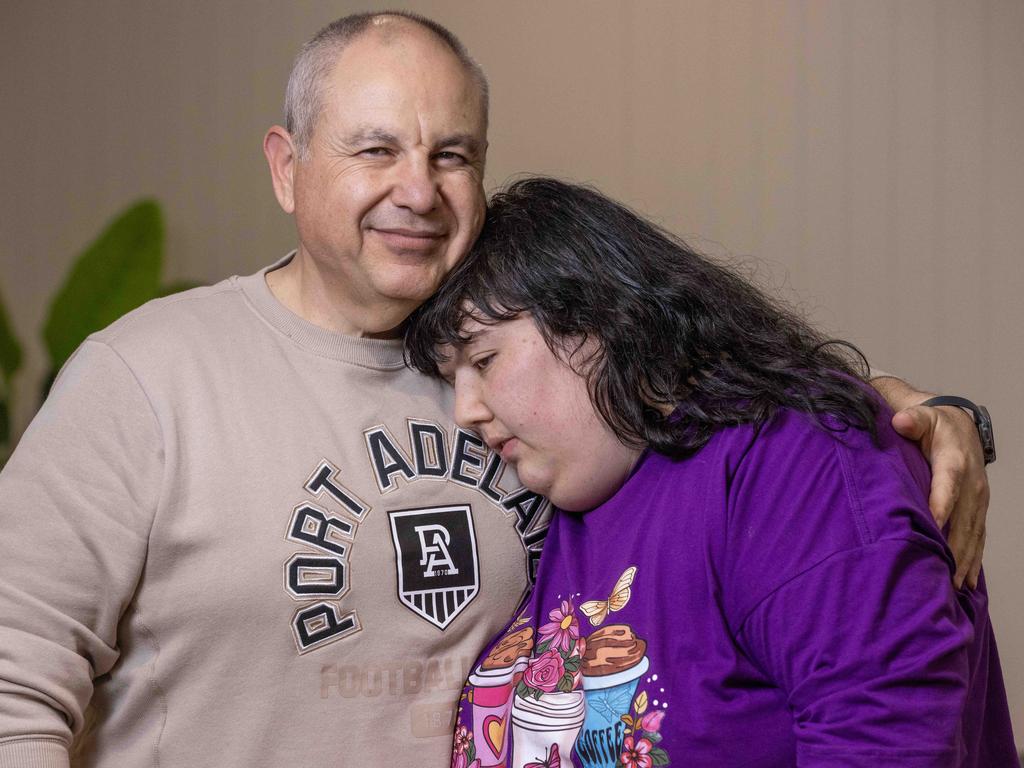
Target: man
{"type": "Point", "coordinates": [240, 531]}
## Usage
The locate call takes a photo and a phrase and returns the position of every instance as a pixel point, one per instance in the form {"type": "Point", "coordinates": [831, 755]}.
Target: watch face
{"type": "Point", "coordinates": [987, 434]}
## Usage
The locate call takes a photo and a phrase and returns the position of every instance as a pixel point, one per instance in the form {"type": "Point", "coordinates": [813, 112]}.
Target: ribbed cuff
{"type": "Point", "coordinates": [33, 753]}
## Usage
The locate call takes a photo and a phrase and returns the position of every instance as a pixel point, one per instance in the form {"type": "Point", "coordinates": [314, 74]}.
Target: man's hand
{"type": "Point", "coordinates": [959, 493]}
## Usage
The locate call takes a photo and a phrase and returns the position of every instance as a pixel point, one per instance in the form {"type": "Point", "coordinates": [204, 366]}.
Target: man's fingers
{"type": "Point", "coordinates": [961, 553]}
{"type": "Point", "coordinates": [975, 531]}
{"type": "Point", "coordinates": [967, 529]}
{"type": "Point", "coordinates": [975, 572]}
{"type": "Point", "coordinates": [959, 493]}
{"type": "Point", "coordinates": [967, 546]}
{"type": "Point", "coordinates": [944, 494]}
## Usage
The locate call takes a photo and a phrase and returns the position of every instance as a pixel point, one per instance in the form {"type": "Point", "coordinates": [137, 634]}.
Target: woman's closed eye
{"type": "Point", "coordinates": [481, 363]}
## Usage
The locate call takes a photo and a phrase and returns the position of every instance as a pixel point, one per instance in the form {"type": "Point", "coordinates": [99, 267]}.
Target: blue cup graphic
{"type": "Point", "coordinates": [609, 697]}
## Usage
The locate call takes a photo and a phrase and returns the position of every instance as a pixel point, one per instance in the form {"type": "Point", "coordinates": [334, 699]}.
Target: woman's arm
{"type": "Point", "coordinates": [837, 586]}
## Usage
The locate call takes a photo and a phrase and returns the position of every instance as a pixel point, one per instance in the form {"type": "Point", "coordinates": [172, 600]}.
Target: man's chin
{"type": "Point", "coordinates": [411, 283]}
{"type": "Point", "coordinates": [409, 297]}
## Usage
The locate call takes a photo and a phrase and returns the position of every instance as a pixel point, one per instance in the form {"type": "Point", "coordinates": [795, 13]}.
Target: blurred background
{"type": "Point", "coordinates": [868, 153]}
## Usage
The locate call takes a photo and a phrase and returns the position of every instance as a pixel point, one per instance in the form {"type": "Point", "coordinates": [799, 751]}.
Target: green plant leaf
{"type": "Point", "coordinates": [47, 383]}
{"type": "Point", "coordinates": [10, 349]}
{"type": "Point", "coordinates": [10, 362]}
{"type": "Point", "coordinates": [5, 428]}
{"type": "Point", "coordinates": [659, 756]}
{"type": "Point", "coordinates": [119, 271]}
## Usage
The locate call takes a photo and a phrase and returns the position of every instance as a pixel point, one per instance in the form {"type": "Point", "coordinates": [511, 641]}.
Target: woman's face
{"type": "Point", "coordinates": [534, 410]}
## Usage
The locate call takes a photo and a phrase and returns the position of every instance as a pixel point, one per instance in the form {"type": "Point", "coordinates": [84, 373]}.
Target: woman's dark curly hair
{"type": "Point", "coordinates": [673, 328]}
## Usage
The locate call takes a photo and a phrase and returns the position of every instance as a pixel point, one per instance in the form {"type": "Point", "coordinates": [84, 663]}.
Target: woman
{"type": "Point", "coordinates": [742, 569]}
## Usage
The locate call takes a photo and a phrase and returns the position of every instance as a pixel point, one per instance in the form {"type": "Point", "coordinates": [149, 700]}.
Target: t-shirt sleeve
{"type": "Point", "coordinates": [839, 590]}
{"type": "Point", "coordinates": [870, 651]}
{"type": "Point", "coordinates": [77, 500]}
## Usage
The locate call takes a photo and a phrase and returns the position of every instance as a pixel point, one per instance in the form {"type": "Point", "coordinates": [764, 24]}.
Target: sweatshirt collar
{"type": "Point", "coordinates": [383, 354]}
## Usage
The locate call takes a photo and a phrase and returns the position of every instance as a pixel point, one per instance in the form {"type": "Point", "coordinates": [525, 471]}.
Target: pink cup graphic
{"type": "Point", "coordinates": [493, 690]}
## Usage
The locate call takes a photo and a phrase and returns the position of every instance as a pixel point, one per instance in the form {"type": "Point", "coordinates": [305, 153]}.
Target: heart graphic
{"type": "Point", "coordinates": [494, 733]}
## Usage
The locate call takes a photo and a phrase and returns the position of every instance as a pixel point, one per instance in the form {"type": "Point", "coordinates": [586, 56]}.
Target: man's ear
{"type": "Point", "coordinates": [279, 150]}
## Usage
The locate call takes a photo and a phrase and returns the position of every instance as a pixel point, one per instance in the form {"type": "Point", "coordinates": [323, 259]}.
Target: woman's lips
{"type": "Point", "coordinates": [506, 448]}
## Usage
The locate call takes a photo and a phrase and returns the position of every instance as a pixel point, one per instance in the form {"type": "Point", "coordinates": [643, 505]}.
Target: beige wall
{"type": "Point", "coordinates": [870, 151]}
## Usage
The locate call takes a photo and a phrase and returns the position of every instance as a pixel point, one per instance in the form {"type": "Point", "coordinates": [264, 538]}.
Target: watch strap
{"type": "Point", "coordinates": [982, 420]}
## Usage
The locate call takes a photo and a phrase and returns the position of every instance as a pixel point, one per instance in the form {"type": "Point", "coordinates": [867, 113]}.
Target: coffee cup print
{"type": "Point", "coordinates": [612, 667]}
{"type": "Point", "coordinates": [546, 729]}
{"type": "Point", "coordinates": [494, 681]}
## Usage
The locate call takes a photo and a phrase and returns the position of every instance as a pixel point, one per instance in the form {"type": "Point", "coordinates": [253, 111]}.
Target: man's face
{"type": "Point", "coordinates": [390, 196]}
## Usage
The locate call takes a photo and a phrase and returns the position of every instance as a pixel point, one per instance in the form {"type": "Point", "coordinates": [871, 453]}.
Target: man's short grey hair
{"type": "Point", "coordinates": [303, 100]}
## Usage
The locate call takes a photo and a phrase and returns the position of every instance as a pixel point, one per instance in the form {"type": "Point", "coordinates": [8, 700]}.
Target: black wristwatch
{"type": "Point", "coordinates": [981, 420]}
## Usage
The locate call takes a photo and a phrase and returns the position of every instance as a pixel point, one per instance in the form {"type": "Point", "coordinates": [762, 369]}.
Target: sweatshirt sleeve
{"type": "Point", "coordinates": [77, 500]}
{"type": "Point", "coordinates": [842, 597]}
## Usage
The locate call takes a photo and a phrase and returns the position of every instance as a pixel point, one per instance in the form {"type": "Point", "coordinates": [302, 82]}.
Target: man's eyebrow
{"type": "Point", "coordinates": [370, 135]}
{"type": "Point", "coordinates": [467, 140]}
{"type": "Point", "coordinates": [379, 136]}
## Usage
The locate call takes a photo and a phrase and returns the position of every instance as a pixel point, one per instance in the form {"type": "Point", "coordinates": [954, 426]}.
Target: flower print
{"type": "Point", "coordinates": [544, 671]}
{"type": "Point", "coordinates": [651, 721]}
{"type": "Point", "coordinates": [636, 756]}
{"type": "Point", "coordinates": [578, 653]}
{"type": "Point", "coordinates": [462, 738]}
{"type": "Point", "coordinates": [563, 627]}
{"type": "Point", "coordinates": [573, 664]}
{"type": "Point", "coordinates": [577, 678]}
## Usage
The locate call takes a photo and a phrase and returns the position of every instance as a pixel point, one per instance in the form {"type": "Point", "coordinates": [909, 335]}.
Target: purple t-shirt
{"type": "Point", "coordinates": [781, 598]}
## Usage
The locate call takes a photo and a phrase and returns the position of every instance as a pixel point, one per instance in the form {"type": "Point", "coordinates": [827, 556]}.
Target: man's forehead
{"type": "Point", "coordinates": [399, 39]}
{"type": "Point", "coordinates": [389, 26]}
{"type": "Point", "coordinates": [374, 74]}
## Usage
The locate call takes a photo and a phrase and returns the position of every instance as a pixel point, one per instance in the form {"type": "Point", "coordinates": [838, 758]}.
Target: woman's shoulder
{"type": "Point", "coordinates": [793, 445]}
{"type": "Point", "coordinates": [825, 483]}
{"type": "Point", "coordinates": [795, 494]}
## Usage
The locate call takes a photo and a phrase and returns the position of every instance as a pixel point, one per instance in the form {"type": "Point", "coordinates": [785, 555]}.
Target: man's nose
{"type": "Point", "coordinates": [470, 409]}
{"type": "Point", "coordinates": [415, 185]}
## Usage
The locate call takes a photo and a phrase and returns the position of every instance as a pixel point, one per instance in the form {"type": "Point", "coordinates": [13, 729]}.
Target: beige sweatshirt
{"type": "Point", "coordinates": [232, 538]}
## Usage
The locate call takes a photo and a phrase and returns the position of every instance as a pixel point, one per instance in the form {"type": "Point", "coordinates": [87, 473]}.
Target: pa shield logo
{"type": "Point", "coordinates": [438, 573]}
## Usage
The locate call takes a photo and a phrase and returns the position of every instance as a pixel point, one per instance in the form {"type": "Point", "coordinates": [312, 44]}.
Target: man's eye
{"type": "Point", "coordinates": [481, 363]}
{"type": "Point", "coordinates": [451, 158]}
{"type": "Point", "coordinates": [375, 152]}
